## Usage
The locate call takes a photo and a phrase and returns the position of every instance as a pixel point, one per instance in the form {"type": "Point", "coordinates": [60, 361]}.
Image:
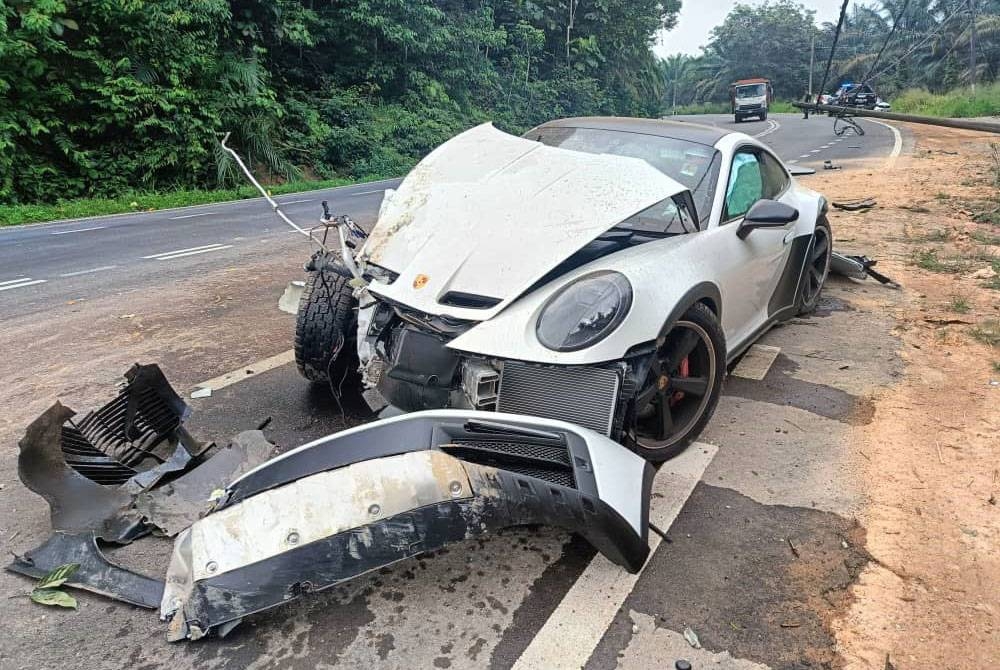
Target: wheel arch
{"type": "Point", "coordinates": [706, 293]}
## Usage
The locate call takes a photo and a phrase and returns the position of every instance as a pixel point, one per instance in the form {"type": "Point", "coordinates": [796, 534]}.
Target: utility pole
{"type": "Point", "coordinates": [972, 45]}
{"type": "Point", "coordinates": [812, 62]}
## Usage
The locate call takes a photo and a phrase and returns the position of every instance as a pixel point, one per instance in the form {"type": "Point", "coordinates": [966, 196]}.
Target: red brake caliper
{"type": "Point", "coordinates": [683, 370]}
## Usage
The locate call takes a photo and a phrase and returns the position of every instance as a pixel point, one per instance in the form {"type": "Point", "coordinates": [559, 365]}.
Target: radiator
{"type": "Point", "coordinates": [581, 395]}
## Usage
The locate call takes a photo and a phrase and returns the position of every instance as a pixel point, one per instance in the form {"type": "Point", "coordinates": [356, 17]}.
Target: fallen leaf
{"type": "Point", "coordinates": [53, 597]}
{"type": "Point", "coordinates": [58, 576]}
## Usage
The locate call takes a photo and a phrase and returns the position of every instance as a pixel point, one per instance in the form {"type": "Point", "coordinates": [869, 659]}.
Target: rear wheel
{"type": "Point", "coordinates": [325, 328]}
{"type": "Point", "coordinates": [681, 389]}
{"type": "Point", "coordinates": [817, 267]}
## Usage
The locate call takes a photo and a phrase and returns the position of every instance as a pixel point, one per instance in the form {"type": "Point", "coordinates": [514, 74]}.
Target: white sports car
{"type": "Point", "coordinates": [598, 271]}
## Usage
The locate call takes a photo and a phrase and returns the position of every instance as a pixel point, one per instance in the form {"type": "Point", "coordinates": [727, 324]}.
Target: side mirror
{"type": "Point", "coordinates": [766, 214]}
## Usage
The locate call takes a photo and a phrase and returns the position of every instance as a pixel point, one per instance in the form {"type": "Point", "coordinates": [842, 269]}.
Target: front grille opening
{"type": "Point", "coordinates": [549, 463]}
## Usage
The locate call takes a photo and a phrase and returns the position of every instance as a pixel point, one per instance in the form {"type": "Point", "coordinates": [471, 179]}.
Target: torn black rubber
{"type": "Point", "coordinates": [96, 573]}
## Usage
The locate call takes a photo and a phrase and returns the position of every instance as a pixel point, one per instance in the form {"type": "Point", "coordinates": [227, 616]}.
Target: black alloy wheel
{"type": "Point", "coordinates": [817, 266]}
{"type": "Point", "coordinates": [681, 389]}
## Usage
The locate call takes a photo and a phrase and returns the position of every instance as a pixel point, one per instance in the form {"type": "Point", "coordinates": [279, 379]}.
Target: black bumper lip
{"type": "Point", "coordinates": [198, 602]}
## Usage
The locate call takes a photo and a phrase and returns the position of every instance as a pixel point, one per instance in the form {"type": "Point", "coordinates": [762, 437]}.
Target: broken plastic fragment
{"type": "Point", "coordinates": [201, 393]}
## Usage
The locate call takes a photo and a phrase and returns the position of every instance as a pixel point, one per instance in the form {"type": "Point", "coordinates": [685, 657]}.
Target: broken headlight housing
{"type": "Point", "coordinates": [585, 312]}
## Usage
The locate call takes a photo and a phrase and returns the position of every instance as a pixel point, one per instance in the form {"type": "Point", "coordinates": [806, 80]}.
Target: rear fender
{"type": "Point", "coordinates": [375, 495]}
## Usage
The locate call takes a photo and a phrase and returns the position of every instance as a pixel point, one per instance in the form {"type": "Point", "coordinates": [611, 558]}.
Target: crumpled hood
{"type": "Point", "coordinates": [489, 214]}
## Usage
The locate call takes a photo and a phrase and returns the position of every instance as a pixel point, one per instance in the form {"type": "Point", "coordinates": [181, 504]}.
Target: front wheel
{"type": "Point", "coordinates": [817, 266]}
{"type": "Point", "coordinates": [681, 389]}
{"type": "Point", "coordinates": [325, 328]}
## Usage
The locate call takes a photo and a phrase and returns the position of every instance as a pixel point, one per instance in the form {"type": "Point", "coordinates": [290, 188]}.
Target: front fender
{"type": "Point", "coordinates": [328, 512]}
{"type": "Point", "coordinates": [663, 274]}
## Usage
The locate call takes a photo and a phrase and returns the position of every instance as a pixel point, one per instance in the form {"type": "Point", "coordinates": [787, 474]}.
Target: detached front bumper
{"type": "Point", "coordinates": [374, 495]}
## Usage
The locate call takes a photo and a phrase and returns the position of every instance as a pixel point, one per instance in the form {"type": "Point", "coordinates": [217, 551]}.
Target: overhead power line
{"type": "Point", "coordinates": [833, 47]}
{"type": "Point", "coordinates": [878, 57]}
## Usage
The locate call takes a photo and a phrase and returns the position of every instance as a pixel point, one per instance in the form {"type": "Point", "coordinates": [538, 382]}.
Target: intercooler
{"type": "Point", "coordinates": [585, 396]}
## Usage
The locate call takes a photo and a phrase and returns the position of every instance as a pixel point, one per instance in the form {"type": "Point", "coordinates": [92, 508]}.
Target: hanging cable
{"type": "Point", "coordinates": [833, 47]}
{"type": "Point", "coordinates": [927, 38]}
{"type": "Point", "coordinates": [878, 57]}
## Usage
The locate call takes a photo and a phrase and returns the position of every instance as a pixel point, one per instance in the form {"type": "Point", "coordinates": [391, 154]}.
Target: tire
{"type": "Point", "coordinates": [326, 319]}
{"type": "Point", "coordinates": [699, 372]}
{"type": "Point", "coordinates": [817, 267]}
{"type": "Point", "coordinates": [739, 119]}
{"type": "Point", "coordinates": [763, 117]}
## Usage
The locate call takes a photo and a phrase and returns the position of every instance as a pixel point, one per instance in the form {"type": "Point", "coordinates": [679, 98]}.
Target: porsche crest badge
{"type": "Point", "coordinates": [420, 281]}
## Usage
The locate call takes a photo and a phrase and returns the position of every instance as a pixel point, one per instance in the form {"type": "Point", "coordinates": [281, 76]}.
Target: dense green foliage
{"type": "Point", "coordinates": [929, 49]}
{"type": "Point", "coordinates": [107, 97]}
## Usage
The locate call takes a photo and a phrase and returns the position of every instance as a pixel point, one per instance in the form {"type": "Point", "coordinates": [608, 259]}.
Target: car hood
{"type": "Point", "coordinates": [486, 215]}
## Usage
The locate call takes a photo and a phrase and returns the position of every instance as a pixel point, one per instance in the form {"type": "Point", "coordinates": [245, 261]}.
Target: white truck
{"type": "Point", "coordinates": [751, 97]}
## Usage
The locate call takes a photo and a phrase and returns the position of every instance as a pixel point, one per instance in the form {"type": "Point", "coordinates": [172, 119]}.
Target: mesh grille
{"type": "Point", "coordinates": [548, 462]}
{"type": "Point", "coordinates": [581, 395]}
{"type": "Point", "coordinates": [542, 452]}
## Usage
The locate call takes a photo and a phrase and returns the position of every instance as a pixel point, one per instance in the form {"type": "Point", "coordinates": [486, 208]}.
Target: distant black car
{"type": "Point", "coordinates": [855, 95]}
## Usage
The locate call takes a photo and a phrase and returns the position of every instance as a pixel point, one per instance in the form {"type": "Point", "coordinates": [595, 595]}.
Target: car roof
{"type": "Point", "coordinates": [678, 130]}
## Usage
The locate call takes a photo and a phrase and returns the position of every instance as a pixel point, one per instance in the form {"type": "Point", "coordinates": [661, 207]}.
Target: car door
{"type": "Point", "coordinates": [750, 269]}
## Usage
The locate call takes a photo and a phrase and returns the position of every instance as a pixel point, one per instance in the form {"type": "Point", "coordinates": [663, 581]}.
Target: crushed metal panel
{"type": "Point", "coordinates": [96, 573]}
{"type": "Point", "coordinates": [459, 221]}
{"type": "Point", "coordinates": [174, 506]}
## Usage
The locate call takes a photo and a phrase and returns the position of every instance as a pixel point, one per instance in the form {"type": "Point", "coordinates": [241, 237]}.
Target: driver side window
{"type": "Point", "coordinates": [746, 185]}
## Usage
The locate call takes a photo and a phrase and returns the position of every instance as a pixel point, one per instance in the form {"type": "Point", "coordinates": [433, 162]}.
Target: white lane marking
{"type": "Point", "coordinates": [897, 147]}
{"type": "Point", "coordinates": [571, 633]}
{"type": "Point", "coordinates": [191, 216]}
{"type": "Point", "coordinates": [296, 202]}
{"type": "Point", "coordinates": [826, 146]}
{"type": "Point", "coordinates": [78, 230]}
{"type": "Point", "coordinates": [90, 271]}
{"type": "Point", "coordinates": [804, 156]}
{"type": "Point", "coordinates": [815, 151]}
{"type": "Point", "coordinates": [379, 190]}
{"type": "Point", "coordinates": [772, 126]}
{"type": "Point", "coordinates": [179, 251]}
{"type": "Point", "coordinates": [14, 281]}
{"type": "Point", "coordinates": [793, 162]}
{"type": "Point", "coordinates": [27, 281]}
{"type": "Point", "coordinates": [248, 371]}
{"type": "Point", "coordinates": [195, 253]}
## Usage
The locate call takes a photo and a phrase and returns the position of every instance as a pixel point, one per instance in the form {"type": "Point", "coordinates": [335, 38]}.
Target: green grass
{"type": "Point", "coordinates": [701, 108]}
{"type": "Point", "coordinates": [987, 332]}
{"type": "Point", "coordinates": [784, 107]}
{"type": "Point", "coordinates": [959, 103]}
{"type": "Point", "coordinates": [984, 237]}
{"type": "Point", "coordinates": [928, 259]}
{"type": "Point", "coordinates": [996, 366]}
{"type": "Point", "coordinates": [13, 215]}
{"type": "Point", "coordinates": [959, 305]}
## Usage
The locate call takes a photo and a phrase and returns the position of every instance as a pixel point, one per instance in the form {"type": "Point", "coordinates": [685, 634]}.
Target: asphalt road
{"type": "Point", "coordinates": [46, 265]}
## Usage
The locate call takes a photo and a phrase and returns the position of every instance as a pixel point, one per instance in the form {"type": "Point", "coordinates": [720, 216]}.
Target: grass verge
{"type": "Point", "coordinates": [960, 103]}
{"type": "Point", "coordinates": [987, 332]}
{"type": "Point", "coordinates": [13, 215]}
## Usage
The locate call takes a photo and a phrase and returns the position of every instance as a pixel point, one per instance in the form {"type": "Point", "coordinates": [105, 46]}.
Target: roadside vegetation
{"type": "Point", "coordinates": [12, 215]}
{"type": "Point", "coordinates": [104, 99]}
{"type": "Point", "coordinates": [958, 103]}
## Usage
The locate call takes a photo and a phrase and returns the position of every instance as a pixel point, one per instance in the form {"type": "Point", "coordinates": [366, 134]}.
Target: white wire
{"type": "Point", "coordinates": [927, 39]}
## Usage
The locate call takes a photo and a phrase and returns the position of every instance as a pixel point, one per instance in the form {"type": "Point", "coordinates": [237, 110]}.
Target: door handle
{"type": "Point", "coordinates": [789, 236]}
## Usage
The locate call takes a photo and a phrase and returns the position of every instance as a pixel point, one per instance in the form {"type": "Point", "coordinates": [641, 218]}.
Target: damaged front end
{"type": "Point", "coordinates": [368, 497]}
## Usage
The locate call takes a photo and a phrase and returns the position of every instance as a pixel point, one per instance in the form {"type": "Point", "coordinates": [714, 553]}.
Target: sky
{"type": "Point", "coordinates": [698, 17]}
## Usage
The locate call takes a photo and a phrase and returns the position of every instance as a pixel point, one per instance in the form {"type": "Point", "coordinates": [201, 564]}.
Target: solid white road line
{"type": "Point", "coordinates": [78, 230]}
{"type": "Point", "coordinates": [195, 253]}
{"type": "Point", "coordinates": [380, 190]}
{"type": "Point", "coordinates": [191, 216]}
{"type": "Point", "coordinates": [772, 126]}
{"type": "Point", "coordinates": [574, 629]}
{"type": "Point", "coordinates": [296, 202]}
{"type": "Point", "coordinates": [180, 251]}
{"type": "Point", "coordinates": [14, 281]}
{"type": "Point", "coordinates": [248, 371]}
{"type": "Point", "coordinates": [897, 147]}
{"type": "Point", "coordinates": [90, 271]}
{"type": "Point", "coordinates": [6, 286]}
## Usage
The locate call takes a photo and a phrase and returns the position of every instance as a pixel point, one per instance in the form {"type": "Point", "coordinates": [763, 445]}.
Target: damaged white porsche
{"type": "Point", "coordinates": [598, 271]}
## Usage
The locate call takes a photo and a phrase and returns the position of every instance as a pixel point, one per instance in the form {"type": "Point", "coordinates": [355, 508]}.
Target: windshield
{"type": "Point", "coordinates": [693, 165]}
{"type": "Point", "coordinates": [752, 91]}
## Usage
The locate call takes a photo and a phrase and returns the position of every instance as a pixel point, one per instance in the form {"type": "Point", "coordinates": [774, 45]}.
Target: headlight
{"type": "Point", "coordinates": [585, 312]}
